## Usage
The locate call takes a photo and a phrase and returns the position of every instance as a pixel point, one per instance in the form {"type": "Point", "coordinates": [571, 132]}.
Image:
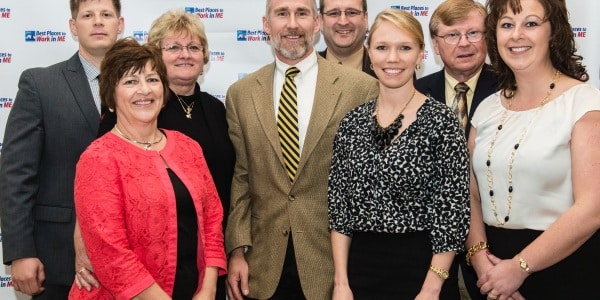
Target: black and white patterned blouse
{"type": "Point", "coordinates": [419, 183]}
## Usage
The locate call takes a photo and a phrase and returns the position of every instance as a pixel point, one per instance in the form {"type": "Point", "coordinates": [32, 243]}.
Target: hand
{"type": "Point", "coordinates": [481, 263]}
{"type": "Point", "coordinates": [28, 275]}
{"type": "Point", "coordinates": [205, 294]}
{"type": "Point", "coordinates": [423, 296]}
{"type": "Point", "coordinates": [429, 292]}
{"type": "Point", "coordinates": [342, 293]}
{"type": "Point", "coordinates": [237, 275]}
{"type": "Point", "coordinates": [503, 279]}
{"type": "Point", "coordinates": [515, 296]}
{"type": "Point", "coordinates": [209, 285]}
{"type": "Point", "coordinates": [84, 272]}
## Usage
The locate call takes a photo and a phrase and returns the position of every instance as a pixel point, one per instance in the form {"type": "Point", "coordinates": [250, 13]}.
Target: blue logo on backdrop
{"type": "Point", "coordinates": [217, 56]}
{"type": "Point", "coordinates": [252, 36]}
{"type": "Point", "coordinates": [206, 12]}
{"type": "Point", "coordinates": [30, 36]}
{"type": "Point", "coordinates": [416, 11]}
{"type": "Point", "coordinates": [140, 36]}
{"type": "Point", "coordinates": [241, 35]}
{"type": "Point", "coordinates": [45, 36]}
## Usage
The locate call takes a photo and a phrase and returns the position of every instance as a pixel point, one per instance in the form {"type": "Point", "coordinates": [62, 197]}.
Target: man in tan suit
{"type": "Point", "coordinates": [277, 235]}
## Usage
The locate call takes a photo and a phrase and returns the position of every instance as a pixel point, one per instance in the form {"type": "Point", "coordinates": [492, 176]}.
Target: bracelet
{"type": "Point", "coordinates": [440, 272]}
{"type": "Point", "coordinates": [523, 264]}
{"type": "Point", "coordinates": [474, 249]}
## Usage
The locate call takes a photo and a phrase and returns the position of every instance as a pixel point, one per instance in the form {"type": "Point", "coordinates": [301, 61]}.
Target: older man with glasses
{"type": "Point", "coordinates": [344, 27]}
{"type": "Point", "coordinates": [456, 29]}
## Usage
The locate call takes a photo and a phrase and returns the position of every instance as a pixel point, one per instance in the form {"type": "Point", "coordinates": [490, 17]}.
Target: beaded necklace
{"type": "Point", "coordinates": [147, 145]}
{"type": "Point", "coordinates": [384, 136]}
{"type": "Point", "coordinates": [511, 160]}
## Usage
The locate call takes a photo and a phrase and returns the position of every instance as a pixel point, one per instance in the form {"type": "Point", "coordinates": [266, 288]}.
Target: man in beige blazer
{"type": "Point", "coordinates": [277, 236]}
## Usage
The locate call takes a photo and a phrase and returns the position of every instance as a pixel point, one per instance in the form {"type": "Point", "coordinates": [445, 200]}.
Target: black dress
{"type": "Point", "coordinates": [187, 273]}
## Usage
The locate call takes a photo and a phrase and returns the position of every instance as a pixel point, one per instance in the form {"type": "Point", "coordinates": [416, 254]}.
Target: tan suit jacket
{"type": "Point", "coordinates": [265, 205]}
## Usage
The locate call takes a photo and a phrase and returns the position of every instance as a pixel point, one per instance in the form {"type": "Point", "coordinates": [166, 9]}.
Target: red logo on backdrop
{"type": "Point", "coordinates": [579, 32]}
{"type": "Point", "coordinates": [4, 13]}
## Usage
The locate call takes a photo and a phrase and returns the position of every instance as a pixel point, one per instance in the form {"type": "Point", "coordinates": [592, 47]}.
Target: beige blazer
{"type": "Point", "coordinates": [265, 205]}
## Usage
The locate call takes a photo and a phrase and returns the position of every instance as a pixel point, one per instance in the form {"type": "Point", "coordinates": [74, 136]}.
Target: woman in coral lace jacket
{"type": "Point", "coordinates": [148, 209]}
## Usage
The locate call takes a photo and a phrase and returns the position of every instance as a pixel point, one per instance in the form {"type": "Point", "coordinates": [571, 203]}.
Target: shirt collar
{"type": "Point", "coordinates": [304, 65]}
{"type": "Point", "coordinates": [472, 82]}
{"type": "Point", "coordinates": [353, 61]}
{"type": "Point", "coordinates": [91, 72]}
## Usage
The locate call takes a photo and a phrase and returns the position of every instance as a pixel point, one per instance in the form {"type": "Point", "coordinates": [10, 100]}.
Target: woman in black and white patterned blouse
{"type": "Point", "coordinates": [398, 186]}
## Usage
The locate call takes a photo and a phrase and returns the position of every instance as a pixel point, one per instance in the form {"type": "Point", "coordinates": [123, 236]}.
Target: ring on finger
{"type": "Point", "coordinates": [81, 270]}
{"type": "Point", "coordinates": [492, 296]}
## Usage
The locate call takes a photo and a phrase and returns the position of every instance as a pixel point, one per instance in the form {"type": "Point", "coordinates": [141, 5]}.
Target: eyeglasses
{"type": "Point", "coordinates": [336, 13]}
{"type": "Point", "coordinates": [176, 48]}
{"type": "Point", "coordinates": [454, 37]}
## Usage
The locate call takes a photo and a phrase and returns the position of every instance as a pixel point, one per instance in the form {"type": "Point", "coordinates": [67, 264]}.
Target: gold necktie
{"type": "Point", "coordinates": [459, 105]}
{"type": "Point", "coordinates": [287, 123]}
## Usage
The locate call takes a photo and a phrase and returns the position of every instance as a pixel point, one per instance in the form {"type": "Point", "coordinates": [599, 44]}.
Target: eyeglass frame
{"type": "Point", "coordinates": [177, 48]}
{"type": "Point", "coordinates": [460, 35]}
{"type": "Point", "coordinates": [338, 13]}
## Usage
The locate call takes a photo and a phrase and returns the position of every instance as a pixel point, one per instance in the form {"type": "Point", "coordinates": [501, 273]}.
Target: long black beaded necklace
{"type": "Point", "coordinates": [511, 160]}
{"type": "Point", "coordinates": [384, 136]}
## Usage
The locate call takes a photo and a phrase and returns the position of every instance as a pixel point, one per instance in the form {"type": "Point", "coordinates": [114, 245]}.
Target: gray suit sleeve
{"type": "Point", "coordinates": [19, 164]}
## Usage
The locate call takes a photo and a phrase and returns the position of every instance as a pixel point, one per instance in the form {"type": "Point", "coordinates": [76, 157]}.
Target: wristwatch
{"type": "Point", "coordinates": [523, 264]}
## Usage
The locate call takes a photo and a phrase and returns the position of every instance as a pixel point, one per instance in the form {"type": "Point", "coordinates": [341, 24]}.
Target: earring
{"type": "Point", "coordinates": [371, 66]}
{"type": "Point", "coordinates": [418, 67]}
{"type": "Point", "coordinates": [111, 109]}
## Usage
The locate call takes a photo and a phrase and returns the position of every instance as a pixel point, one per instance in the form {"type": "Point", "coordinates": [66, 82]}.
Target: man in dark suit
{"type": "Point", "coordinates": [277, 235]}
{"type": "Point", "coordinates": [344, 25]}
{"type": "Point", "coordinates": [55, 116]}
{"type": "Point", "coordinates": [456, 28]}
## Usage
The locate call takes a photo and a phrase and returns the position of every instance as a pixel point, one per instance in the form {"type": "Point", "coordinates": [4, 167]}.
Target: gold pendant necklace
{"type": "Point", "coordinates": [147, 145]}
{"type": "Point", "coordinates": [511, 160]}
{"type": "Point", "coordinates": [187, 108]}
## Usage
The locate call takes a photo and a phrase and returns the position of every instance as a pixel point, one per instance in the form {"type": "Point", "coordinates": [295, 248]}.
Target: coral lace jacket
{"type": "Point", "coordinates": [126, 209]}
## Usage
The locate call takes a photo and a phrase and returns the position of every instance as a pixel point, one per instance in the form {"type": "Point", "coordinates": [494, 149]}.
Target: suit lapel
{"type": "Point", "coordinates": [326, 98]}
{"type": "Point", "coordinates": [486, 85]}
{"type": "Point", "coordinates": [80, 88]}
{"type": "Point", "coordinates": [262, 96]}
{"type": "Point", "coordinates": [437, 87]}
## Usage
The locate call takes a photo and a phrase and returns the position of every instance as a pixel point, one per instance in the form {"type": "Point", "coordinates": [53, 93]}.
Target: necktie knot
{"type": "Point", "coordinates": [291, 72]}
{"type": "Point", "coordinates": [461, 87]}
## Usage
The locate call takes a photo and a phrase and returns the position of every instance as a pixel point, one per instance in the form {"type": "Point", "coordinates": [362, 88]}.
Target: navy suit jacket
{"type": "Point", "coordinates": [434, 85]}
{"type": "Point", "coordinates": [51, 123]}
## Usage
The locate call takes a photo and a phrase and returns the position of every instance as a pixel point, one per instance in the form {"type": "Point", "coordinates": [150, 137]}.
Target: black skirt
{"type": "Point", "coordinates": [575, 277]}
{"type": "Point", "coordinates": [393, 266]}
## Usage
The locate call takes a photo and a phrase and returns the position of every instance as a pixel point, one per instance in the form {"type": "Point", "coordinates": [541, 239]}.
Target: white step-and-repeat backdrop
{"type": "Point", "coordinates": [36, 33]}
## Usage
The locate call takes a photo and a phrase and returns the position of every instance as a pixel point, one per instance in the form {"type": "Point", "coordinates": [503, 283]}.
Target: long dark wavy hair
{"type": "Point", "coordinates": [562, 43]}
